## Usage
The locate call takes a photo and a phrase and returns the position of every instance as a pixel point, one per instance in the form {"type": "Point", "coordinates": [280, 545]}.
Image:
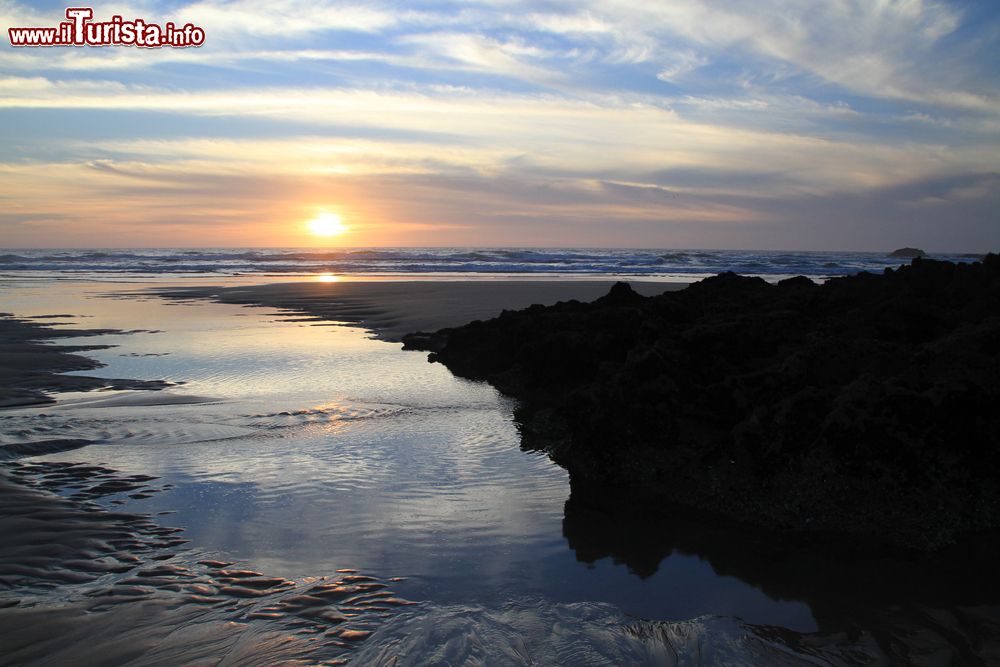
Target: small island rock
{"type": "Point", "coordinates": [908, 253]}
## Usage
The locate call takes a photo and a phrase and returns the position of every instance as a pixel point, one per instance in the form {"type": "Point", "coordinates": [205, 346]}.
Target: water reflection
{"type": "Point", "coordinates": [945, 602]}
{"type": "Point", "coordinates": [326, 448]}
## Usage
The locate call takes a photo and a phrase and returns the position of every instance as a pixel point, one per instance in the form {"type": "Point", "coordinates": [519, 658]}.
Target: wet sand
{"type": "Point", "coordinates": [81, 583]}
{"type": "Point", "coordinates": [131, 592]}
{"type": "Point", "coordinates": [393, 309]}
{"type": "Point", "coordinates": [31, 368]}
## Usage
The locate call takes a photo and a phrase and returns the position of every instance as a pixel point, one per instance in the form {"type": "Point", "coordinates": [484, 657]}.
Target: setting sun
{"type": "Point", "coordinates": [327, 224]}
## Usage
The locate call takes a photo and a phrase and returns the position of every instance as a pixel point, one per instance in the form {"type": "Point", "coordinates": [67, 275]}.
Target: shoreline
{"type": "Point", "coordinates": [391, 310]}
{"type": "Point", "coordinates": [31, 369]}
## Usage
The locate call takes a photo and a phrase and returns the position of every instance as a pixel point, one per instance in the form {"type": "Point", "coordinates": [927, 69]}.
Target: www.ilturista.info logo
{"type": "Point", "coordinates": [80, 30]}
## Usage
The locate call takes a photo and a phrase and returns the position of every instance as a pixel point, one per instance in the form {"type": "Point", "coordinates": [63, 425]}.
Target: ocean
{"type": "Point", "coordinates": [649, 264]}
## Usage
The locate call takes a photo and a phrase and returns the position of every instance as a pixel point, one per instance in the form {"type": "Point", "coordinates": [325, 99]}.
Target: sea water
{"type": "Point", "coordinates": [663, 264]}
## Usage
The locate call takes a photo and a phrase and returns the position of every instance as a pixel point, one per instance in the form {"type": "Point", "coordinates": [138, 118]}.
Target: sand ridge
{"type": "Point", "coordinates": [30, 368]}
{"type": "Point", "coordinates": [392, 309]}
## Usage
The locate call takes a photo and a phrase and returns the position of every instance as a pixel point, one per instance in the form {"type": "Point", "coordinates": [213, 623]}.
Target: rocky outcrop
{"type": "Point", "coordinates": [908, 253]}
{"type": "Point", "coordinates": [864, 406]}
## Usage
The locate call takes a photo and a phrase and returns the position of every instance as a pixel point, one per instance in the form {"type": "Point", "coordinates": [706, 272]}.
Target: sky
{"type": "Point", "coordinates": [773, 124]}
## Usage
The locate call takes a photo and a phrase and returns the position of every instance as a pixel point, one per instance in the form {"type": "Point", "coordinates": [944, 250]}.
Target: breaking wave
{"type": "Point", "coordinates": [394, 261]}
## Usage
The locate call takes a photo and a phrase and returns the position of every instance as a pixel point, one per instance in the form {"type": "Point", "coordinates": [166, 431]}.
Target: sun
{"type": "Point", "coordinates": [327, 224]}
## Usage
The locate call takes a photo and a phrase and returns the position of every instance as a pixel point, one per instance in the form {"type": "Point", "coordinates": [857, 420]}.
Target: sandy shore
{"type": "Point", "coordinates": [130, 591]}
{"type": "Point", "coordinates": [394, 309]}
{"type": "Point", "coordinates": [30, 368]}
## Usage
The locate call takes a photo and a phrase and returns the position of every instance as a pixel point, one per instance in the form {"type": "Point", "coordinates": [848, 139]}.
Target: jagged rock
{"type": "Point", "coordinates": [865, 405]}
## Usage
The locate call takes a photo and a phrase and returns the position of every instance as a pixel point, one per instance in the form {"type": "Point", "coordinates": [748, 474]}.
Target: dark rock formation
{"type": "Point", "coordinates": [865, 406]}
{"type": "Point", "coordinates": [908, 253]}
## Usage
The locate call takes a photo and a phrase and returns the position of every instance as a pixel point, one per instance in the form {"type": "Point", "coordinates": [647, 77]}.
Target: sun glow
{"type": "Point", "coordinates": [327, 224]}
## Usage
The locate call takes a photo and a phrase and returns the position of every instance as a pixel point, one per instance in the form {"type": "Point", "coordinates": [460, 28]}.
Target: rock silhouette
{"type": "Point", "coordinates": [863, 407]}
{"type": "Point", "coordinates": [908, 253]}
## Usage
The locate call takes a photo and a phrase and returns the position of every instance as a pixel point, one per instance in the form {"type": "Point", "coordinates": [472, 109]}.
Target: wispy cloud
{"type": "Point", "coordinates": [698, 112]}
{"type": "Point", "coordinates": [285, 18]}
{"type": "Point", "coordinates": [541, 134]}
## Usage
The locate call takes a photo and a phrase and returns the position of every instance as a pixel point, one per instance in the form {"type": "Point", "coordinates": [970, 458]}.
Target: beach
{"type": "Point", "coordinates": [392, 309]}
{"type": "Point", "coordinates": [500, 333]}
{"type": "Point", "coordinates": [338, 498]}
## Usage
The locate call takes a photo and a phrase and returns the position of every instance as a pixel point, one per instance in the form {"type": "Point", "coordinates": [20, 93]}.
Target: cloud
{"type": "Point", "coordinates": [450, 129]}
{"type": "Point", "coordinates": [683, 63]}
{"type": "Point", "coordinates": [286, 18]}
{"type": "Point", "coordinates": [477, 53]}
{"type": "Point", "coordinates": [891, 49]}
{"type": "Point", "coordinates": [694, 112]}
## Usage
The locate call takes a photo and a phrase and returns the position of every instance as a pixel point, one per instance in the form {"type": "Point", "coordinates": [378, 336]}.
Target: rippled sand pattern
{"type": "Point", "coordinates": [586, 634]}
{"type": "Point", "coordinates": [129, 590]}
